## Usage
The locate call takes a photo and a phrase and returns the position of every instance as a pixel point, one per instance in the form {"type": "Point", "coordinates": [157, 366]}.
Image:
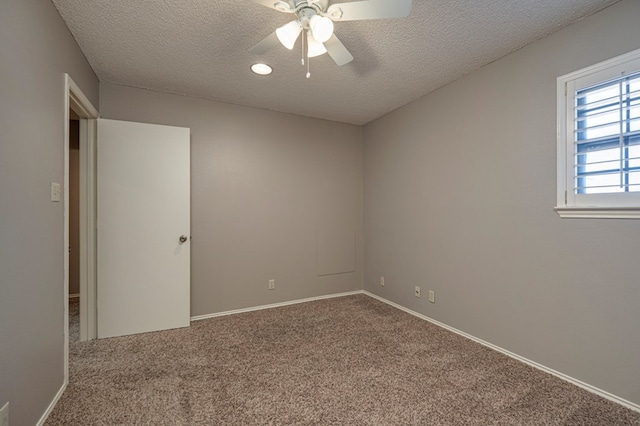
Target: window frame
{"type": "Point", "coordinates": [623, 205]}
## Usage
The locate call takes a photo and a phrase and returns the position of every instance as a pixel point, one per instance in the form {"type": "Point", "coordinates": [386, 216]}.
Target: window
{"type": "Point", "coordinates": [599, 140]}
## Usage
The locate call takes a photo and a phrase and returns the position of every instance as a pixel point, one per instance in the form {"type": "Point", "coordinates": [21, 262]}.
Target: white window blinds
{"type": "Point", "coordinates": [599, 140]}
{"type": "Point", "coordinates": [606, 135]}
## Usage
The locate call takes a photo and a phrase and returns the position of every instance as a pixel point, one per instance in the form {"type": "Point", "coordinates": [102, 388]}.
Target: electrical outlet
{"type": "Point", "coordinates": [272, 284]}
{"type": "Point", "coordinates": [381, 281]}
{"type": "Point", "coordinates": [417, 292]}
{"type": "Point", "coordinates": [4, 415]}
{"type": "Point", "coordinates": [432, 296]}
{"type": "Point", "coordinates": [55, 192]}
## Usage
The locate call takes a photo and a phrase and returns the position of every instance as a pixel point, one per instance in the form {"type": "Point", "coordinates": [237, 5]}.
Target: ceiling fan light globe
{"type": "Point", "coordinates": [315, 48]}
{"type": "Point", "coordinates": [288, 34]}
{"type": "Point", "coordinates": [321, 28]}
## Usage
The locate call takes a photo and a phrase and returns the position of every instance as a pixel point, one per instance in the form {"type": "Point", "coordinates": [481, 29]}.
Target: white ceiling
{"type": "Point", "coordinates": [201, 48]}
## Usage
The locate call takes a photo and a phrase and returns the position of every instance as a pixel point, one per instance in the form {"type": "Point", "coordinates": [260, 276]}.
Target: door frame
{"type": "Point", "coordinates": [76, 101]}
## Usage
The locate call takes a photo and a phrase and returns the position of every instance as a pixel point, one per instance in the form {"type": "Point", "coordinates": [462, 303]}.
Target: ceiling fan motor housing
{"type": "Point", "coordinates": [304, 16]}
{"type": "Point", "coordinates": [321, 27]}
{"type": "Point", "coordinates": [319, 5]}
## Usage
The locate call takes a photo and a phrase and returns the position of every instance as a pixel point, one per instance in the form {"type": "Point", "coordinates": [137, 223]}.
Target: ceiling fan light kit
{"type": "Point", "coordinates": [316, 18]}
{"type": "Point", "coordinates": [314, 47]}
{"type": "Point", "coordinates": [288, 34]}
{"type": "Point", "coordinates": [321, 28]}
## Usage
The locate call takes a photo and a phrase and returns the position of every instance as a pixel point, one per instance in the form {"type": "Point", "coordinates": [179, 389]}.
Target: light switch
{"type": "Point", "coordinates": [55, 192]}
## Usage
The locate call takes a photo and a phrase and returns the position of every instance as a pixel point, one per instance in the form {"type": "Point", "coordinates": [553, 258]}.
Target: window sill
{"type": "Point", "coordinates": [599, 212]}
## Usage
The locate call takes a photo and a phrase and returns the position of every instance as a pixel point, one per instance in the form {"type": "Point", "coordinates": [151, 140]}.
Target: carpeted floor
{"type": "Point", "coordinates": [344, 361]}
{"type": "Point", "coordinates": [74, 320]}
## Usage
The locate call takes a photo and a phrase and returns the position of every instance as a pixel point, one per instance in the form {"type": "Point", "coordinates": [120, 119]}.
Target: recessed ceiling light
{"type": "Point", "coordinates": [261, 69]}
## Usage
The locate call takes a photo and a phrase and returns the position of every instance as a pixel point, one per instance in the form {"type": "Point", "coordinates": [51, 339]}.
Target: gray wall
{"type": "Point", "coordinates": [262, 185]}
{"type": "Point", "coordinates": [459, 191]}
{"type": "Point", "coordinates": [35, 50]}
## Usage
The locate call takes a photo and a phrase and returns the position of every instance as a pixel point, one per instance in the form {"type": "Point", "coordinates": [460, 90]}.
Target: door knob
{"type": "Point", "coordinates": [183, 239]}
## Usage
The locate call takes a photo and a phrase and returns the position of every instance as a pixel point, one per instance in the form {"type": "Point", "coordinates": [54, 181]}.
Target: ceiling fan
{"type": "Point", "coordinates": [315, 18]}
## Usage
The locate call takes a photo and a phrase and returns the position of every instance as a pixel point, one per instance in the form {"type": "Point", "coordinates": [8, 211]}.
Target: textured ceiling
{"type": "Point", "coordinates": [201, 48]}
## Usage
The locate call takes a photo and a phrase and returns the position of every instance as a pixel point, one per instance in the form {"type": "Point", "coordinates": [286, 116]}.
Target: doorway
{"type": "Point", "coordinates": [74, 227]}
{"type": "Point", "coordinates": [78, 107]}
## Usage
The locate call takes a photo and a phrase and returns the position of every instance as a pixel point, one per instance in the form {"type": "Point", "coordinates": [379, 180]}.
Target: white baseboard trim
{"type": "Point", "coordinates": [52, 405]}
{"type": "Point", "coordinates": [74, 296]}
{"type": "Point", "coordinates": [274, 305]}
{"type": "Point", "coordinates": [581, 384]}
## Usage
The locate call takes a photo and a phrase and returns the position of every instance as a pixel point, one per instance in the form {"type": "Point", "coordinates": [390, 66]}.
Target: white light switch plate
{"type": "Point", "coordinates": [55, 194]}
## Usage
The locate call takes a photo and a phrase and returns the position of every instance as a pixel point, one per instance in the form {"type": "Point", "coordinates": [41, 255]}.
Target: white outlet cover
{"type": "Point", "coordinates": [382, 281]}
{"type": "Point", "coordinates": [55, 192]}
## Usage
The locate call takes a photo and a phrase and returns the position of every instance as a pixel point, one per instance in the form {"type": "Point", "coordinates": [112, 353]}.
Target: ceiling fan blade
{"type": "Point", "coordinates": [337, 51]}
{"type": "Point", "coordinates": [268, 43]}
{"type": "Point", "coordinates": [370, 9]}
{"type": "Point", "coordinates": [279, 5]}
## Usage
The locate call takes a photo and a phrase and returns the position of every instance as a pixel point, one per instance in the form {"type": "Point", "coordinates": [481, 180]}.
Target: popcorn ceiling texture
{"type": "Point", "coordinates": [201, 48]}
{"type": "Point", "coordinates": [346, 361]}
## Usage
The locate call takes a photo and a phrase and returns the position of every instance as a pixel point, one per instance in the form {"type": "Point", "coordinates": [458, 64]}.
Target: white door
{"type": "Point", "coordinates": [143, 248]}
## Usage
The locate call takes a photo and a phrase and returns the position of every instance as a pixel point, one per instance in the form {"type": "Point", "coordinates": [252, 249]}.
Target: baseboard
{"type": "Point", "coordinates": [275, 305]}
{"type": "Point", "coordinates": [74, 296]}
{"type": "Point", "coordinates": [52, 405]}
{"type": "Point", "coordinates": [581, 384]}
{"type": "Point", "coordinates": [576, 382]}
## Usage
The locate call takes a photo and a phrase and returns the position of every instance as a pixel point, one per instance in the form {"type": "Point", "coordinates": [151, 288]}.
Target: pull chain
{"type": "Point", "coordinates": [302, 60]}
{"type": "Point", "coordinates": [308, 61]}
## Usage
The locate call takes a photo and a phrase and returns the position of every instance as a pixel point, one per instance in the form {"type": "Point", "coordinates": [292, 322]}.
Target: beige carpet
{"type": "Point", "coordinates": [74, 320]}
{"type": "Point", "coordinates": [344, 361]}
